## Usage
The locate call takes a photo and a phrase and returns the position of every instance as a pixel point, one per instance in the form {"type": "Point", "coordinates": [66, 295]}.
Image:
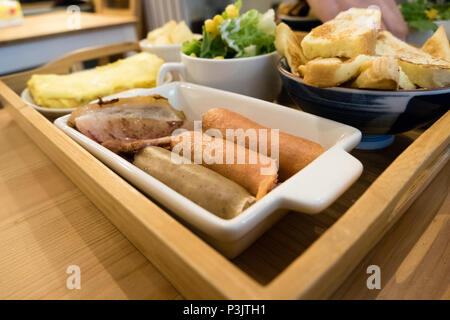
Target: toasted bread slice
{"type": "Point", "coordinates": [381, 73]}
{"type": "Point", "coordinates": [403, 80]}
{"type": "Point", "coordinates": [438, 45]}
{"type": "Point", "coordinates": [351, 33]}
{"type": "Point", "coordinates": [301, 70]}
{"type": "Point", "coordinates": [425, 76]}
{"type": "Point", "coordinates": [421, 68]}
{"type": "Point", "coordinates": [330, 72]}
{"type": "Point", "coordinates": [288, 45]}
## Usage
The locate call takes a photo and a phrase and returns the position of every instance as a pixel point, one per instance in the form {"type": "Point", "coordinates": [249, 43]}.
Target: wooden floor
{"type": "Point", "coordinates": [47, 224]}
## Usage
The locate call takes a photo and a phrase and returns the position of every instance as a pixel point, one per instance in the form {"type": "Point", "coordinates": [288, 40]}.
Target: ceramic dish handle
{"type": "Point", "coordinates": [169, 68]}
{"type": "Point", "coordinates": [319, 184]}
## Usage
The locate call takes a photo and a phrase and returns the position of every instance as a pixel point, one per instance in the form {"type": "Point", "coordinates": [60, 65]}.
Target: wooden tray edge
{"type": "Point", "coordinates": [319, 271]}
{"type": "Point", "coordinates": [197, 270]}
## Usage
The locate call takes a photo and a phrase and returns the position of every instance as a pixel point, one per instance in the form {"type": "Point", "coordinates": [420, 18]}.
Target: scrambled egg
{"type": "Point", "coordinates": [79, 88]}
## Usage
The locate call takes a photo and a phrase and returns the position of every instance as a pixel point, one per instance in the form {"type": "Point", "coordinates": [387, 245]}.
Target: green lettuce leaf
{"type": "Point", "coordinates": [443, 11]}
{"type": "Point", "coordinates": [423, 25]}
{"type": "Point", "coordinates": [414, 11]}
{"type": "Point", "coordinates": [192, 47]}
{"type": "Point", "coordinates": [414, 14]}
{"type": "Point", "coordinates": [212, 46]}
{"type": "Point", "coordinates": [250, 34]}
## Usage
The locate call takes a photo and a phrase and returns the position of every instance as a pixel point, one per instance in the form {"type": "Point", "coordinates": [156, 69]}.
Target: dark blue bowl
{"type": "Point", "coordinates": [373, 112]}
{"type": "Point", "coordinates": [300, 23]}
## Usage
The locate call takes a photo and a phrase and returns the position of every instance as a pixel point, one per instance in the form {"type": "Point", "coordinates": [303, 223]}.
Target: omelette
{"type": "Point", "coordinates": [79, 88]}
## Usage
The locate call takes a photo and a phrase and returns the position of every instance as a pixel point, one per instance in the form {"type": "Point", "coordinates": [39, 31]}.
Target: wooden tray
{"type": "Point", "coordinates": [302, 256]}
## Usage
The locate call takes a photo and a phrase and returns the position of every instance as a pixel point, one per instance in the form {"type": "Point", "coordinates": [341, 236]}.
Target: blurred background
{"type": "Point", "coordinates": [25, 42]}
{"type": "Point", "coordinates": [154, 13]}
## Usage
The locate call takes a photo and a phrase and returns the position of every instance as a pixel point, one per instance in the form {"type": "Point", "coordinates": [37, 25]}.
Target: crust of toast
{"type": "Point", "coordinates": [377, 59]}
{"type": "Point", "coordinates": [422, 69]}
{"type": "Point", "coordinates": [438, 45]}
{"type": "Point", "coordinates": [351, 33]}
{"type": "Point", "coordinates": [426, 76]}
{"type": "Point", "coordinates": [288, 45]}
{"type": "Point", "coordinates": [330, 72]}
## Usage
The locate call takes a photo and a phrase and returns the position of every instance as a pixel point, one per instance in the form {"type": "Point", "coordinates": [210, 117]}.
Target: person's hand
{"type": "Point", "coordinates": [392, 18]}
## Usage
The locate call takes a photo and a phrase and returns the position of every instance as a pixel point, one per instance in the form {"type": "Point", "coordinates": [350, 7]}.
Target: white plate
{"type": "Point", "coordinates": [310, 191]}
{"type": "Point", "coordinates": [53, 113]}
{"type": "Point", "coordinates": [47, 112]}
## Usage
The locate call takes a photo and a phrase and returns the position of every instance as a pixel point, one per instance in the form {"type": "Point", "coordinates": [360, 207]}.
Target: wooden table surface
{"type": "Point", "coordinates": [47, 224]}
{"type": "Point", "coordinates": [56, 23]}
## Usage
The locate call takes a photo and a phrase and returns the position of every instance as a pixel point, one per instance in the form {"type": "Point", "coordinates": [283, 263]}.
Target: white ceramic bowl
{"type": "Point", "coordinates": [310, 191]}
{"type": "Point", "coordinates": [256, 76]}
{"type": "Point", "coordinates": [169, 53]}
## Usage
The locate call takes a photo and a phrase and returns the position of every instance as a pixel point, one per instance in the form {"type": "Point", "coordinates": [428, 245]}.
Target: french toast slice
{"type": "Point", "coordinates": [330, 72]}
{"type": "Point", "coordinates": [350, 34]}
{"type": "Point", "coordinates": [438, 45]}
{"type": "Point", "coordinates": [422, 69]}
{"type": "Point", "coordinates": [382, 73]}
{"type": "Point", "coordinates": [288, 45]}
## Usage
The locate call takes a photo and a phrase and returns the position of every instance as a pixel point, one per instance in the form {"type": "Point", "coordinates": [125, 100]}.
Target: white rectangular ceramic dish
{"type": "Point", "coordinates": [309, 191]}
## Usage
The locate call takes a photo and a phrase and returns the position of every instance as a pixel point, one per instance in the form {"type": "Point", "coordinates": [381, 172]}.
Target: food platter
{"type": "Point", "coordinates": [300, 238]}
{"type": "Point", "coordinates": [233, 236]}
{"type": "Point", "coordinates": [320, 251]}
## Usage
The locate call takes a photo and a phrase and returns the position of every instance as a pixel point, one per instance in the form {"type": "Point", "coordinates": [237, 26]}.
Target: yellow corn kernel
{"type": "Point", "coordinates": [232, 11]}
{"type": "Point", "coordinates": [431, 14]}
{"type": "Point", "coordinates": [219, 57]}
{"type": "Point", "coordinates": [218, 20]}
{"type": "Point", "coordinates": [210, 26]}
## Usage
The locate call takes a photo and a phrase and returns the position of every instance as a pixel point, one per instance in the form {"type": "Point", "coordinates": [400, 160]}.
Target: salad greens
{"type": "Point", "coordinates": [421, 14]}
{"type": "Point", "coordinates": [231, 35]}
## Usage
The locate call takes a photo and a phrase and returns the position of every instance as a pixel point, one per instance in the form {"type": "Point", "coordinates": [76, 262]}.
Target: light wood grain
{"type": "Point", "coordinates": [122, 279]}
{"type": "Point", "coordinates": [289, 238]}
{"type": "Point", "coordinates": [414, 256]}
{"type": "Point", "coordinates": [328, 261]}
{"type": "Point", "coordinates": [328, 249]}
{"type": "Point", "coordinates": [190, 264]}
{"type": "Point", "coordinates": [185, 259]}
{"type": "Point", "coordinates": [47, 224]}
{"type": "Point", "coordinates": [56, 24]}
